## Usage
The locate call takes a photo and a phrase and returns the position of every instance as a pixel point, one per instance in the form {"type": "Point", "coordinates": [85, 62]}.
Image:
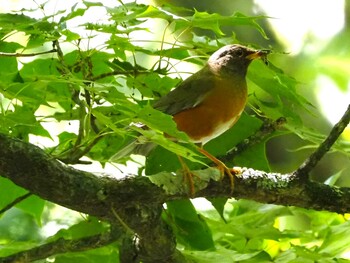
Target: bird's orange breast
{"type": "Point", "coordinates": [219, 110]}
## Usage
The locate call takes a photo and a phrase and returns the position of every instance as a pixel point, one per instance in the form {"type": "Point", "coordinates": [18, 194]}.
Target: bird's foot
{"type": "Point", "coordinates": [224, 170]}
{"type": "Point", "coordinates": [188, 177]}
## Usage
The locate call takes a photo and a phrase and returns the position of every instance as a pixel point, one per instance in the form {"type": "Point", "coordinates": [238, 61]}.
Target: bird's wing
{"type": "Point", "coordinates": [189, 94]}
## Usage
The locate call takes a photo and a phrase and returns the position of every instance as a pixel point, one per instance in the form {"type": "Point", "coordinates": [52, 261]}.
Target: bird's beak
{"type": "Point", "coordinates": [258, 54]}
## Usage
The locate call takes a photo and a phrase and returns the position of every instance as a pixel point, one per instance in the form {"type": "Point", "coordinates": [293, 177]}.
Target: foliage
{"type": "Point", "coordinates": [103, 75]}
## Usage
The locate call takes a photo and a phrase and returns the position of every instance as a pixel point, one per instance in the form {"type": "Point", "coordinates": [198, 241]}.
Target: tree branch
{"type": "Point", "coordinates": [267, 128]}
{"type": "Point", "coordinates": [15, 202]}
{"type": "Point", "coordinates": [59, 246]}
{"type": "Point", "coordinates": [118, 72]}
{"type": "Point", "coordinates": [30, 167]}
{"type": "Point", "coordinates": [102, 196]}
{"type": "Point", "coordinates": [303, 171]}
{"type": "Point", "coordinates": [4, 54]}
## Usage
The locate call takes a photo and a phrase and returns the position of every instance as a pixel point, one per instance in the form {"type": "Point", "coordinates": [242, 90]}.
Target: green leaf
{"type": "Point", "coordinates": [170, 145]}
{"type": "Point", "coordinates": [152, 85]}
{"type": "Point", "coordinates": [40, 69]}
{"type": "Point", "coordinates": [70, 35]}
{"type": "Point", "coordinates": [221, 255]}
{"type": "Point", "coordinates": [12, 192]}
{"type": "Point", "coordinates": [190, 227]}
{"type": "Point", "coordinates": [8, 65]}
{"type": "Point", "coordinates": [219, 205]}
{"type": "Point", "coordinates": [32, 95]}
{"type": "Point", "coordinates": [90, 4]}
{"type": "Point", "coordinates": [107, 254]}
{"type": "Point", "coordinates": [157, 120]}
{"type": "Point", "coordinates": [66, 142]}
{"type": "Point", "coordinates": [332, 180]}
{"type": "Point", "coordinates": [254, 156]}
{"type": "Point", "coordinates": [22, 122]}
{"type": "Point", "coordinates": [127, 14]}
{"type": "Point", "coordinates": [34, 206]}
{"type": "Point", "coordinates": [160, 160]}
{"type": "Point", "coordinates": [246, 126]}
{"type": "Point", "coordinates": [109, 122]}
{"type": "Point", "coordinates": [285, 100]}
{"type": "Point", "coordinates": [17, 246]}
{"type": "Point", "coordinates": [11, 22]}
{"type": "Point", "coordinates": [331, 244]}
{"type": "Point", "coordinates": [89, 227]}
{"type": "Point", "coordinates": [73, 13]}
{"type": "Point", "coordinates": [39, 31]}
{"type": "Point", "coordinates": [155, 12]}
{"type": "Point", "coordinates": [215, 21]}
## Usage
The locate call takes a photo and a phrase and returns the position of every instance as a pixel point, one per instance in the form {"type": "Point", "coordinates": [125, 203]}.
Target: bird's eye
{"type": "Point", "coordinates": [239, 53]}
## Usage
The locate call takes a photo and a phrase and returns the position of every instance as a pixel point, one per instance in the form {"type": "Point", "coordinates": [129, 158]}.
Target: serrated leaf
{"type": "Point", "coordinates": [127, 14]}
{"type": "Point", "coordinates": [282, 89]}
{"type": "Point", "coordinates": [70, 35]}
{"type": "Point", "coordinates": [107, 121]}
{"type": "Point", "coordinates": [10, 22]}
{"type": "Point", "coordinates": [215, 21]}
{"type": "Point", "coordinates": [152, 85]}
{"type": "Point", "coordinates": [73, 13]}
{"type": "Point", "coordinates": [31, 94]}
{"type": "Point", "coordinates": [155, 12]}
{"type": "Point", "coordinates": [157, 120]}
{"type": "Point", "coordinates": [168, 144]}
{"type": "Point", "coordinates": [23, 122]}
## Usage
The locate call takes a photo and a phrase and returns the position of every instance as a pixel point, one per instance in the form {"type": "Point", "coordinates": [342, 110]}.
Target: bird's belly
{"type": "Point", "coordinates": [213, 116]}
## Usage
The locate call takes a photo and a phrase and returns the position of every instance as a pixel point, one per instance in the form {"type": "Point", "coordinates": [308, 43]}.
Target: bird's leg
{"type": "Point", "coordinates": [222, 167]}
{"type": "Point", "coordinates": [188, 175]}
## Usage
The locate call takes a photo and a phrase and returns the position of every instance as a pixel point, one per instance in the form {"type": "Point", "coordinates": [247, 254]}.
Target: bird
{"type": "Point", "coordinates": [209, 102]}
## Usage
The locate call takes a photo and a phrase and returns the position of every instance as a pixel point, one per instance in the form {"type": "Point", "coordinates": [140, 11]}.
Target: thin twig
{"type": "Point", "coordinates": [122, 223]}
{"type": "Point", "coordinates": [15, 202]}
{"type": "Point", "coordinates": [117, 72]}
{"type": "Point", "coordinates": [267, 128]}
{"type": "Point", "coordinates": [78, 151]}
{"type": "Point", "coordinates": [304, 169]}
{"type": "Point", "coordinates": [4, 54]}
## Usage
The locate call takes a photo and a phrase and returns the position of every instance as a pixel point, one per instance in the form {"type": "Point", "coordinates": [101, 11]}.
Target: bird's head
{"type": "Point", "coordinates": [234, 59]}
